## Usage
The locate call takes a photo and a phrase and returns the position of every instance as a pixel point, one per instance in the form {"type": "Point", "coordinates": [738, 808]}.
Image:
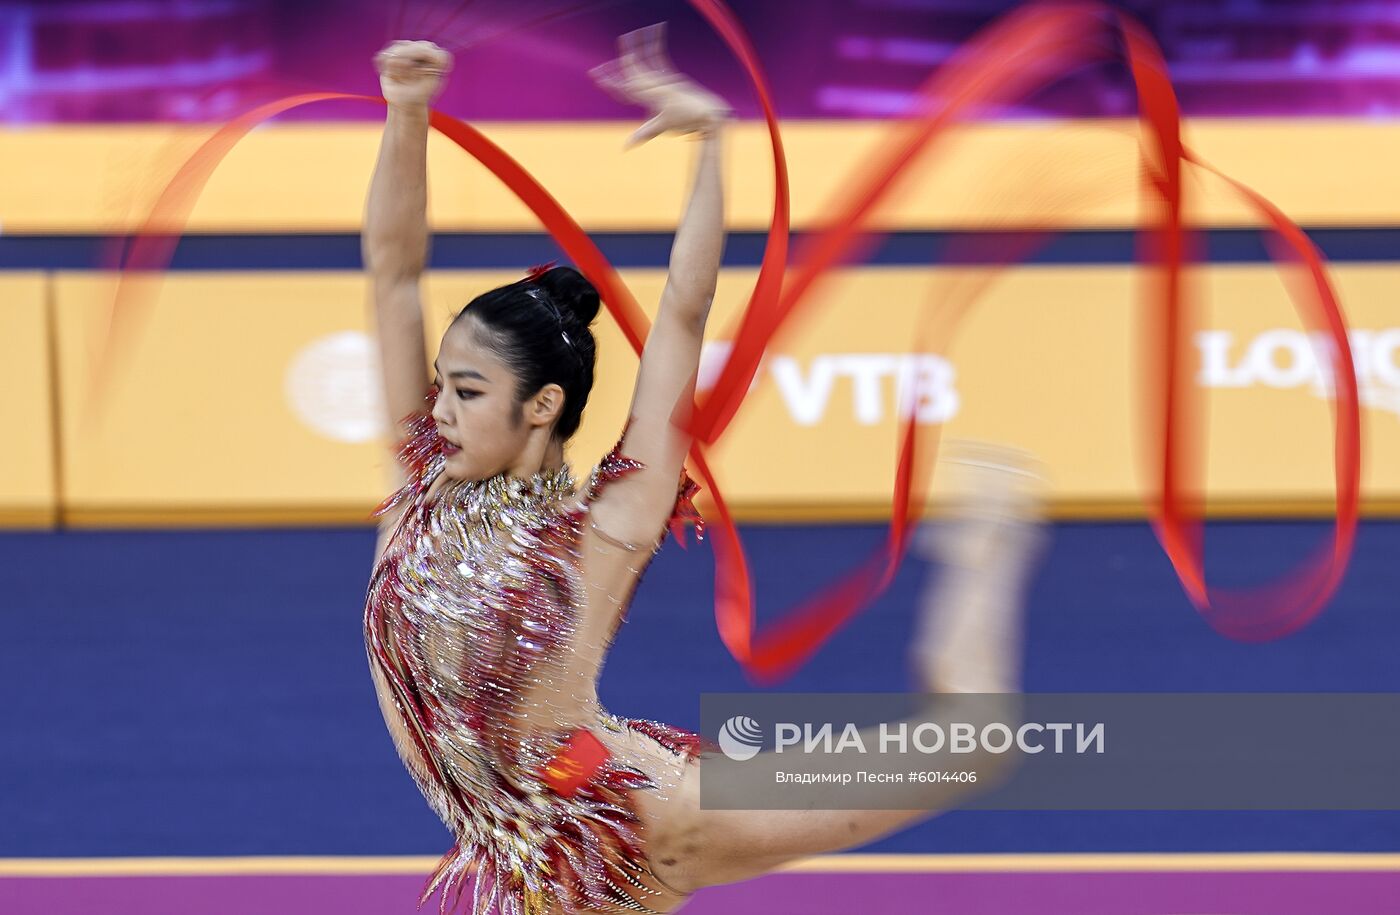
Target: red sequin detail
{"type": "Point", "coordinates": [615, 465]}
{"type": "Point", "coordinates": [419, 450]}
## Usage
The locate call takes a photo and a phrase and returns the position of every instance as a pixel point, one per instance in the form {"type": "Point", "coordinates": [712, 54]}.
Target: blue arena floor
{"type": "Point", "coordinates": [205, 692]}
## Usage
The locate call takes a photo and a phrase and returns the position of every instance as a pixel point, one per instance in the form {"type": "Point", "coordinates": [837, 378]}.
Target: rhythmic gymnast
{"type": "Point", "coordinates": [500, 580]}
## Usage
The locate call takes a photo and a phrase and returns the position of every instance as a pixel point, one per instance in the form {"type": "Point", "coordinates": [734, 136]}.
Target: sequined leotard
{"type": "Point", "coordinates": [469, 626]}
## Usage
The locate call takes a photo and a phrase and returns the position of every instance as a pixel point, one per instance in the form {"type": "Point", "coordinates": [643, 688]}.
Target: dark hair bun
{"type": "Point", "coordinates": [571, 292]}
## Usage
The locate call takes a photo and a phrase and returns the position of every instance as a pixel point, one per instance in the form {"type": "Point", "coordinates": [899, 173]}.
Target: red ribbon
{"type": "Point", "coordinates": [1008, 60]}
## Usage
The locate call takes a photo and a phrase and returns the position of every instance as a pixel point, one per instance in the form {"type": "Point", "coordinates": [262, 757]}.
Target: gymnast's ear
{"type": "Point", "coordinates": [545, 406]}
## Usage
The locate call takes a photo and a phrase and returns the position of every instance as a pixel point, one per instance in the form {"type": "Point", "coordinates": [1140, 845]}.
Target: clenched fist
{"type": "Point", "coordinates": [411, 73]}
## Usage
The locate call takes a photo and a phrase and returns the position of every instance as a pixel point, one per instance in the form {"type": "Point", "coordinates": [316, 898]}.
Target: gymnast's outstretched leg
{"type": "Point", "coordinates": [969, 640]}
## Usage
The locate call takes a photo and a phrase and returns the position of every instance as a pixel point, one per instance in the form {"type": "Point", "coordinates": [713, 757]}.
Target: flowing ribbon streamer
{"type": "Point", "coordinates": [1039, 42]}
{"type": "Point", "coordinates": [1291, 602]}
{"type": "Point", "coordinates": [1009, 59]}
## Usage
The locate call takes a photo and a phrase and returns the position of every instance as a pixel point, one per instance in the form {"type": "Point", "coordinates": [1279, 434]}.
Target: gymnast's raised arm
{"type": "Point", "coordinates": [635, 508]}
{"type": "Point", "coordinates": [395, 240]}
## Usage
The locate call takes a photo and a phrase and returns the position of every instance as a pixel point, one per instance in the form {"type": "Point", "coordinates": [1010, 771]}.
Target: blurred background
{"type": "Point", "coordinates": [190, 724]}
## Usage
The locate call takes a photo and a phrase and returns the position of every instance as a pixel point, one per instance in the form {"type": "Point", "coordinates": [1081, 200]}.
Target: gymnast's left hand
{"type": "Point", "coordinates": [642, 75]}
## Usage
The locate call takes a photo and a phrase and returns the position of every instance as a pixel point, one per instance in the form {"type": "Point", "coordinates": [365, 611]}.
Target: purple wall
{"type": "Point", "coordinates": [179, 60]}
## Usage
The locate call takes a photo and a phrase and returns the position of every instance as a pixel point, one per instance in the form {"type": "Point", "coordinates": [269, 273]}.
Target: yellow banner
{"type": "Point", "coordinates": [287, 178]}
{"type": "Point", "coordinates": [253, 396]}
{"type": "Point", "coordinates": [28, 487]}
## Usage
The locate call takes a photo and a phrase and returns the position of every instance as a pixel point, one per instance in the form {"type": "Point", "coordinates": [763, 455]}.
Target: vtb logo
{"type": "Point", "coordinates": [880, 384]}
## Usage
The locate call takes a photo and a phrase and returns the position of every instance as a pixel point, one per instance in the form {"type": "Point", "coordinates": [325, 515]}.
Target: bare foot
{"type": "Point", "coordinates": [970, 630]}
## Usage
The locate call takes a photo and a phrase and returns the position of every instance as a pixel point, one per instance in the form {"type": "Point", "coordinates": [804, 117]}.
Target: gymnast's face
{"type": "Point", "coordinates": [483, 424]}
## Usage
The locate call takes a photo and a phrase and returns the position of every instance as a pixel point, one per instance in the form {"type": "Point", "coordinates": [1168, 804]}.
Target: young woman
{"type": "Point", "coordinates": [500, 580]}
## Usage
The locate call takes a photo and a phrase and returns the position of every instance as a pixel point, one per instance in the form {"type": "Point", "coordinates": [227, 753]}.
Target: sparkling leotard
{"type": "Point", "coordinates": [470, 624]}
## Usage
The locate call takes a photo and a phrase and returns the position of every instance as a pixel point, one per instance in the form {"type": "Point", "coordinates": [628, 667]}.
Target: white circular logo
{"type": "Point", "coordinates": [741, 738]}
{"type": "Point", "coordinates": [332, 386]}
